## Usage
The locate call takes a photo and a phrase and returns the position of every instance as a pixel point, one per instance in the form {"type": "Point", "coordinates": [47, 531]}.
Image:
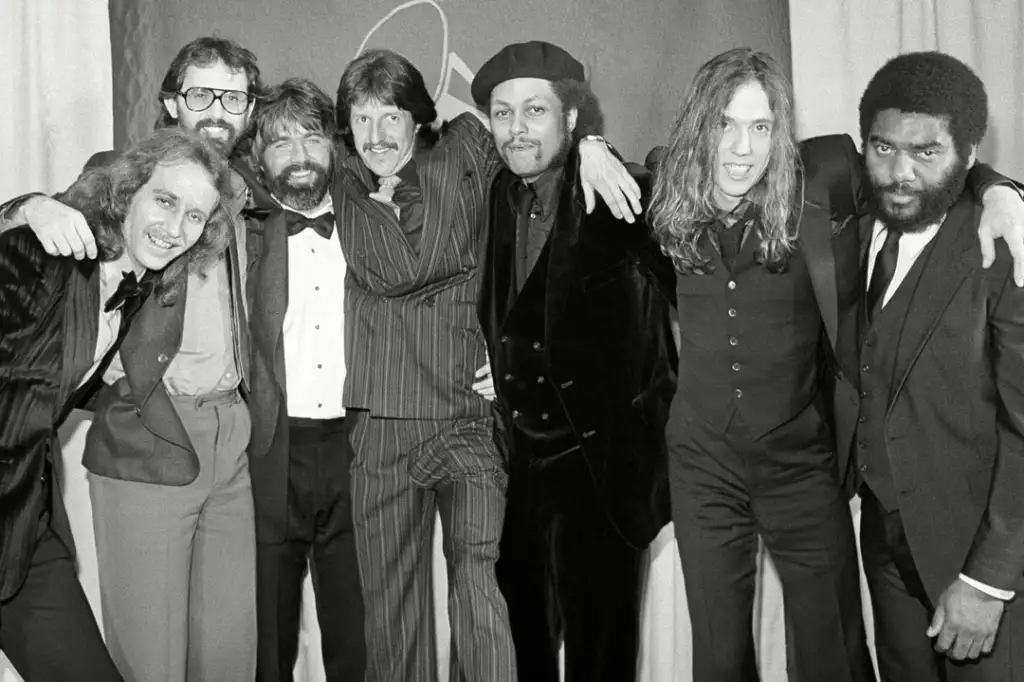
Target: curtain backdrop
{"type": "Point", "coordinates": [839, 44]}
{"type": "Point", "coordinates": [56, 82]}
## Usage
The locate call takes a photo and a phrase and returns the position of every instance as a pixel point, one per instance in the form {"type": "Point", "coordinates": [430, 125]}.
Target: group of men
{"type": "Point", "coordinates": [325, 388]}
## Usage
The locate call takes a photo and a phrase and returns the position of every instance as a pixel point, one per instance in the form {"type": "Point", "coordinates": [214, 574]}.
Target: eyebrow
{"type": "Point", "coordinates": [732, 119]}
{"type": "Point", "coordinates": [922, 147]}
{"type": "Point", "coordinates": [528, 100]}
{"type": "Point", "coordinates": [166, 192]}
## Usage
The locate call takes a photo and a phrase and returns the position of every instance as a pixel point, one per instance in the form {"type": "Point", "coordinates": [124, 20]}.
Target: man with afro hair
{"type": "Point", "coordinates": [935, 346]}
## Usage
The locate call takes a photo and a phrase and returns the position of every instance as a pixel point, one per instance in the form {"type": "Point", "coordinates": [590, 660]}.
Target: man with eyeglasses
{"type": "Point", "coordinates": [172, 501]}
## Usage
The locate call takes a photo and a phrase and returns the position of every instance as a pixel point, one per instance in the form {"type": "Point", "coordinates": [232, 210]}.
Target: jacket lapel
{"type": "Point", "coordinates": [498, 263]}
{"type": "Point", "coordinates": [564, 235]}
{"type": "Point", "coordinates": [816, 239]}
{"type": "Point", "coordinates": [846, 253]}
{"type": "Point", "coordinates": [435, 171]}
{"type": "Point", "coordinates": [270, 291]}
{"type": "Point", "coordinates": [954, 256]}
{"type": "Point", "coordinates": [81, 321]}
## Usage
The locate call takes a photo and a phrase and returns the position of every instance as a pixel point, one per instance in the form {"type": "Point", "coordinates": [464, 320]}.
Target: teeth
{"type": "Point", "coordinates": [161, 243]}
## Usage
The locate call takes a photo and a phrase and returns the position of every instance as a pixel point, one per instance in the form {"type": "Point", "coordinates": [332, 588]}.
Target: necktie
{"type": "Point", "coordinates": [130, 293]}
{"type": "Point", "coordinates": [526, 197]}
{"type": "Point", "coordinates": [881, 275]}
{"type": "Point", "coordinates": [295, 223]}
{"type": "Point", "coordinates": [386, 191]}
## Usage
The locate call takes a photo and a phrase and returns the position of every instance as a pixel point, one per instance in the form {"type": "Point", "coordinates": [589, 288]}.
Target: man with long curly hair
{"type": "Point", "coordinates": [748, 223]}
{"type": "Point", "coordinates": [160, 206]}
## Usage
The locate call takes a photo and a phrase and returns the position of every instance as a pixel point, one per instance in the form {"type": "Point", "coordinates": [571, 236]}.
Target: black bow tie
{"type": "Point", "coordinates": [323, 224]}
{"type": "Point", "coordinates": [130, 294]}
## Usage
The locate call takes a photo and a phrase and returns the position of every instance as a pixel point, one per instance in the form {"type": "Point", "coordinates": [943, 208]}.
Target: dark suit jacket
{"type": "Point", "coordinates": [49, 315]}
{"type": "Point", "coordinates": [955, 422]}
{"type": "Point", "coordinates": [608, 339]}
{"type": "Point", "coordinates": [412, 341]}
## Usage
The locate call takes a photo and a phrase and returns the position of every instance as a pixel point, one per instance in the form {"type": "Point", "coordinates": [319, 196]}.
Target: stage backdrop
{"type": "Point", "coordinates": [639, 54]}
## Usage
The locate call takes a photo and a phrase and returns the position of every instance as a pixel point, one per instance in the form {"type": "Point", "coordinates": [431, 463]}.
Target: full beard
{"type": "Point", "coordinates": [933, 202]}
{"type": "Point", "coordinates": [225, 145]}
{"type": "Point", "coordinates": [301, 197]}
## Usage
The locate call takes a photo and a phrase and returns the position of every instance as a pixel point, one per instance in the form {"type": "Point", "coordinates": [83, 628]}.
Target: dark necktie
{"type": "Point", "coordinates": [881, 275]}
{"type": "Point", "coordinates": [130, 293]}
{"type": "Point", "coordinates": [525, 198]}
{"type": "Point", "coordinates": [323, 224]}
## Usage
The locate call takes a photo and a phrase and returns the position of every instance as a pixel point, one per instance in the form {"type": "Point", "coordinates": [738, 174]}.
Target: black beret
{"type": "Point", "coordinates": [535, 59]}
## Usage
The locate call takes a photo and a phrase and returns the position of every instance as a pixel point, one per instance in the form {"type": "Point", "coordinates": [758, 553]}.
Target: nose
{"type": "Point", "coordinates": [902, 168]}
{"type": "Point", "coordinates": [377, 132]}
{"type": "Point", "coordinates": [518, 125]}
{"type": "Point", "coordinates": [299, 153]}
{"type": "Point", "coordinates": [741, 144]}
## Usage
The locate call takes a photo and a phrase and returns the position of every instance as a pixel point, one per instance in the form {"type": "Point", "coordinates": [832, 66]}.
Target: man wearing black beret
{"type": "Point", "coordinates": [575, 312]}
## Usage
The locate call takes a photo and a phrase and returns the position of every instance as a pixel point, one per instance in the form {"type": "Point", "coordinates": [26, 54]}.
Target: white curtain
{"type": "Point", "coordinates": [55, 74]}
{"type": "Point", "coordinates": [838, 45]}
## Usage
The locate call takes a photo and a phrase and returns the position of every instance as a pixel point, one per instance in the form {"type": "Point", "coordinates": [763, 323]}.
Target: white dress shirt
{"type": "Point", "coordinates": [314, 323]}
{"type": "Point", "coordinates": [109, 323]}
{"type": "Point", "coordinates": [912, 244]}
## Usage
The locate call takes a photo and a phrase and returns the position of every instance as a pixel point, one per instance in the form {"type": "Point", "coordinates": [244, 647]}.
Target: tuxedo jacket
{"type": "Point", "coordinates": [954, 422]}
{"type": "Point", "coordinates": [611, 356]}
{"type": "Point", "coordinates": [49, 318]}
{"type": "Point", "coordinates": [136, 434]}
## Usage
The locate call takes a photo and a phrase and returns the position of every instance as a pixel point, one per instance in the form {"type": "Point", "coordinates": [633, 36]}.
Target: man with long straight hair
{"type": "Point", "coordinates": [166, 454]}
{"type": "Point", "coordinates": [300, 452]}
{"type": "Point", "coordinates": [409, 200]}
{"type": "Point", "coordinates": [752, 444]}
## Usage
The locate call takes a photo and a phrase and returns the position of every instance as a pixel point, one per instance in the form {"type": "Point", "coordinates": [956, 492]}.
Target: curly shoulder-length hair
{"type": "Point", "coordinates": [682, 203]}
{"type": "Point", "coordinates": [104, 195]}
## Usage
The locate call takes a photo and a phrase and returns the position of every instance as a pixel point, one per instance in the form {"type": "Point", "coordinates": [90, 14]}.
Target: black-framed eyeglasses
{"type": "Point", "coordinates": [200, 99]}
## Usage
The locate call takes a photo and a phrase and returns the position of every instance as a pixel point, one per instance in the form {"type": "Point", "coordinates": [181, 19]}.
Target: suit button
{"type": "Point", "coordinates": [732, 312]}
{"type": "Point", "coordinates": [508, 377]}
{"type": "Point", "coordinates": [863, 394]}
{"type": "Point", "coordinates": [540, 380]}
{"type": "Point", "coordinates": [739, 393]}
{"type": "Point", "coordinates": [504, 339]}
{"type": "Point", "coordinates": [515, 414]}
{"type": "Point", "coordinates": [863, 467]}
{"type": "Point", "coordinates": [733, 341]}
{"type": "Point", "coordinates": [732, 285]}
{"type": "Point", "coordinates": [735, 366]}
{"type": "Point", "coordinates": [588, 434]}
{"type": "Point", "coordinates": [566, 384]}
{"type": "Point", "coordinates": [536, 345]}
{"type": "Point", "coordinates": [137, 411]}
{"type": "Point", "coordinates": [866, 368]}
{"type": "Point", "coordinates": [162, 358]}
{"type": "Point", "coordinates": [861, 444]}
{"type": "Point", "coordinates": [861, 419]}
{"type": "Point", "coordinates": [544, 416]}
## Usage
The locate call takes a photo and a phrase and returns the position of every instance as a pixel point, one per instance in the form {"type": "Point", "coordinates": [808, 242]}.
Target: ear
{"type": "Point", "coordinates": [171, 105]}
{"type": "Point", "coordinates": [972, 157]}
{"type": "Point", "coordinates": [571, 117]}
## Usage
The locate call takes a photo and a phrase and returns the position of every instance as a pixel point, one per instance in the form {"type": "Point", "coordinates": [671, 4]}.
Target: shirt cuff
{"type": "Point", "coordinates": [1004, 595]}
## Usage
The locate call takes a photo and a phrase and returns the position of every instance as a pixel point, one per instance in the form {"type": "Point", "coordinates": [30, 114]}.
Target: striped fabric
{"type": "Point", "coordinates": [394, 523]}
{"type": "Point", "coordinates": [412, 337]}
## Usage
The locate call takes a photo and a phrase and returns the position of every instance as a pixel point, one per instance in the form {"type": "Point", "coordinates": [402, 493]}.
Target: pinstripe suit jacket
{"type": "Point", "coordinates": [412, 339]}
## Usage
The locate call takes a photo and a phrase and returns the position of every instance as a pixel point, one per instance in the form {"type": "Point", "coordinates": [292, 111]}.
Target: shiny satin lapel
{"type": "Point", "coordinates": [270, 298]}
{"type": "Point", "coordinates": [955, 254]}
{"type": "Point", "coordinates": [816, 238]}
{"type": "Point", "coordinates": [846, 252]}
{"type": "Point", "coordinates": [564, 235]}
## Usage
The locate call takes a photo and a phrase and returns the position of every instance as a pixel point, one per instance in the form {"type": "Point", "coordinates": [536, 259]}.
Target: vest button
{"type": "Point", "coordinates": [544, 416]}
{"type": "Point", "coordinates": [536, 345]}
{"type": "Point", "coordinates": [732, 312]}
{"type": "Point", "coordinates": [732, 285]}
{"type": "Point", "coordinates": [504, 339]}
{"type": "Point", "coordinates": [861, 419]}
{"type": "Point", "coordinates": [515, 414]}
{"type": "Point", "coordinates": [866, 368]}
{"type": "Point", "coordinates": [863, 394]}
{"type": "Point", "coordinates": [863, 467]}
{"type": "Point", "coordinates": [540, 380]}
{"type": "Point", "coordinates": [508, 377]}
{"type": "Point", "coordinates": [733, 341]}
{"type": "Point", "coordinates": [735, 366]}
{"type": "Point", "coordinates": [162, 358]}
{"type": "Point", "coordinates": [567, 384]}
{"type": "Point", "coordinates": [739, 393]}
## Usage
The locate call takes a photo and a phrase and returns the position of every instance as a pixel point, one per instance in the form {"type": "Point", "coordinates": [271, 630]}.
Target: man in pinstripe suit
{"type": "Point", "coordinates": [409, 205]}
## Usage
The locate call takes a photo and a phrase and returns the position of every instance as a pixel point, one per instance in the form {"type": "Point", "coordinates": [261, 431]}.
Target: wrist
{"type": "Point", "coordinates": [15, 212]}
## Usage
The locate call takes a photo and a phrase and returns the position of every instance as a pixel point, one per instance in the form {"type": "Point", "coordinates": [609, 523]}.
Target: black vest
{"type": "Point", "coordinates": [877, 364]}
{"type": "Point", "coordinates": [749, 341]}
{"type": "Point", "coordinates": [521, 368]}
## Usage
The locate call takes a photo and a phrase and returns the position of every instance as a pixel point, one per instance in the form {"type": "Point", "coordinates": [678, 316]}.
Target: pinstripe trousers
{"type": "Point", "coordinates": [404, 471]}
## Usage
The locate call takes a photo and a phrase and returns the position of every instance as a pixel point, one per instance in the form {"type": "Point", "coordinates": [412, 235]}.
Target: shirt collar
{"type": "Point", "coordinates": [548, 189]}
{"type": "Point", "coordinates": [326, 206]}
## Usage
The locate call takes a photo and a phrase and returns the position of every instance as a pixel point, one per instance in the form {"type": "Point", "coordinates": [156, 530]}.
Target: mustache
{"type": "Point", "coordinates": [299, 167]}
{"type": "Point", "coordinates": [521, 140]}
{"type": "Point", "coordinates": [897, 188]}
{"type": "Point", "coordinates": [213, 123]}
{"type": "Point", "coordinates": [386, 144]}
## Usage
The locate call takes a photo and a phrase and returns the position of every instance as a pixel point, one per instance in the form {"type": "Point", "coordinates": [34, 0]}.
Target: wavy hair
{"type": "Point", "coordinates": [104, 196]}
{"type": "Point", "coordinates": [386, 77]}
{"type": "Point", "coordinates": [682, 204]}
{"type": "Point", "coordinates": [295, 103]}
